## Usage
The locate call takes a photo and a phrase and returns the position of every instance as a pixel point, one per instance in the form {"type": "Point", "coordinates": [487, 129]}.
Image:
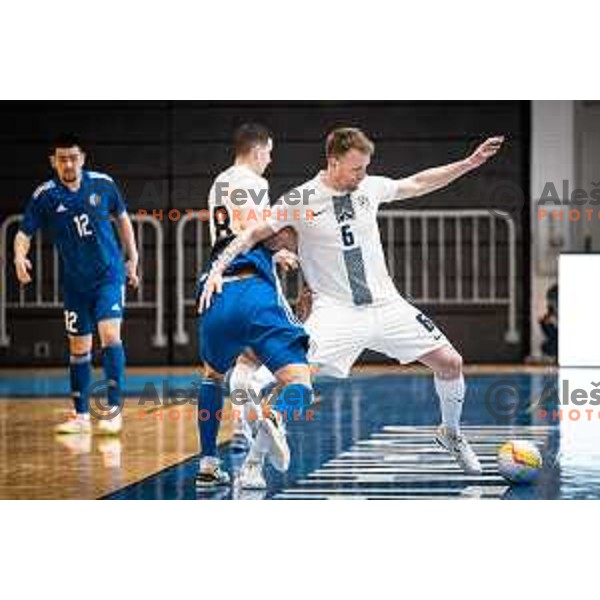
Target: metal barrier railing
{"type": "Point", "coordinates": [53, 298]}
{"type": "Point", "coordinates": [432, 280]}
{"type": "Point", "coordinates": [435, 286]}
{"type": "Point", "coordinates": [448, 284]}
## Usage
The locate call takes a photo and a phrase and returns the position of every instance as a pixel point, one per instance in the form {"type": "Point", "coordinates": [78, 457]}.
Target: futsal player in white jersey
{"type": "Point", "coordinates": [237, 200]}
{"type": "Point", "coordinates": [355, 304]}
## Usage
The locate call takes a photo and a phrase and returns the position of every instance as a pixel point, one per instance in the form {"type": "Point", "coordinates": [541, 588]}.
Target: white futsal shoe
{"type": "Point", "coordinates": [111, 426]}
{"type": "Point", "coordinates": [271, 434]}
{"type": "Point", "coordinates": [457, 445]}
{"type": "Point", "coordinates": [75, 424]}
{"type": "Point", "coordinates": [79, 443]}
{"type": "Point", "coordinates": [251, 476]}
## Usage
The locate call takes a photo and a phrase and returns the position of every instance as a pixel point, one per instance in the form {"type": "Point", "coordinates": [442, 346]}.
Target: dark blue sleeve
{"type": "Point", "coordinates": [118, 206]}
{"type": "Point", "coordinates": [33, 218]}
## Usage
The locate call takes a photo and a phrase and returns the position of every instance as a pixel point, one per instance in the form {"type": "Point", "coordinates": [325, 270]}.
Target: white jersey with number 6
{"type": "Point", "coordinates": [355, 304]}
{"type": "Point", "coordinates": [338, 242]}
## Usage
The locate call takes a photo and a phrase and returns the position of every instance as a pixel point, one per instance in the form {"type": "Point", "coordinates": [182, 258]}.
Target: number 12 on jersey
{"type": "Point", "coordinates": [81, 222]}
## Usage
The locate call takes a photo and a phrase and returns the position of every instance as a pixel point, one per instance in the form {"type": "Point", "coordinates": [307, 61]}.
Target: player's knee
{"type": "Point", "coordinates": [109, 336]}
{"type": "Point", "coordinates": [294, 374]}
{"type": "Point", "coordinates": [110, 340]}
{"type": "Point", "coordinates": [109, 332]}
{"type": "Point", "coordinates": [212, 375]}
{"type": "Point", "coordinates": [241, 376]}
{"type": "Point", "coordinates": [452, 365]}
{"type": "Point", "coordinates": [79, 345]}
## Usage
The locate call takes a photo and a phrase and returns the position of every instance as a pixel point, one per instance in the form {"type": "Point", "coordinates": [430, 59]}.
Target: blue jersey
{"type": "Point", "coordinates": [259, 257]}
{"type": "Point", "coordinates": [81, 228]}
{"type": "Point", "coordinates": [250, 313]}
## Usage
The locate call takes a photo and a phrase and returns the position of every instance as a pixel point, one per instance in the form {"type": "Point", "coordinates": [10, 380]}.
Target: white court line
{"type": "Point", "coordinates": [390, 463]}
{"type": "Point", "coordinates": [404, 477]}
{"type": "Point", "coordinates": [400, 450]}
{"type": "Point", "coordinates": [489, 490]}
{"type": "Point", "coordinates": [333, 496]}
{"type": "Point", "coordinates": [404, 456]}
{"type": "Point", "coordinates": [402, 470]}
{"type": "Point", "coordinates": [484, 428]}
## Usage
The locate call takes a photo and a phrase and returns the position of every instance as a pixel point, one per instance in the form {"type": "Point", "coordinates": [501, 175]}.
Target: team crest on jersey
{"type": "Point", "coordinates": [95, 200]}
{"type": "Point", "coordinates": [343, 208]}
{"type": "Point", "coordinates": [363, 202]}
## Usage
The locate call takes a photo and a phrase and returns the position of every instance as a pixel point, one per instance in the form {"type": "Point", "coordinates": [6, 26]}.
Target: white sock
{"type": "Point", "coordinates": [451, 393]}
{"type": "Point", "coordinates": [262, 378]}
{"type": "Point", "coordinates": [241, 381]}
{"type": "Point", "coordinates": [259, 448]}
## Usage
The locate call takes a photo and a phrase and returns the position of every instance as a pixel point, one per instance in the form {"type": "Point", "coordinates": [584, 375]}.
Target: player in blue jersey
{"type": "Point", "coordinates": [77, 208]}
{"type": "Point", "coordinates": [251, 317]}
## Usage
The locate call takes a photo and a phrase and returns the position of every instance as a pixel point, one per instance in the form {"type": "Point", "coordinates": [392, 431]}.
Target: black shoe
{"type": "Point", "coordinates": [211, 475]}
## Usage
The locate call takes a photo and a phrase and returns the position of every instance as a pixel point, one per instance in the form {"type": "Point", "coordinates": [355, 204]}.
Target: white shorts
{"type": "Point", "coordinates": [339, 333]}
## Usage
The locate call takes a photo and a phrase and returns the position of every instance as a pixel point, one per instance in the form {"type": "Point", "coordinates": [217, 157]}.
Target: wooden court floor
{"type": "Point", "coordinates": [35, 463]}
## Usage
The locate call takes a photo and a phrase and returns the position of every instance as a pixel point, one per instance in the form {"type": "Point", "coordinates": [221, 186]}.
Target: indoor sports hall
{"type": "Point", "coordinates": [480, 258]}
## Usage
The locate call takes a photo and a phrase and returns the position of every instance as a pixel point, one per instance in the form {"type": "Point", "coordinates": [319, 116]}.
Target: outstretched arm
{"type": "Point", "coordinates": [244, 241]}
{"type": "Point", "coordinates": [22, 263]}
{"type": "Point", "coordinates": [433, 179]}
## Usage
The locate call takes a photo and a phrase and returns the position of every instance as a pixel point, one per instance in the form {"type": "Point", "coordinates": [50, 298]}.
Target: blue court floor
{"type": "Point", "coordinates": [372, 438]}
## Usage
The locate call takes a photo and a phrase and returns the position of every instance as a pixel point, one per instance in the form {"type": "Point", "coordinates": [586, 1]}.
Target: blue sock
{"type": "Point", "coordinates": [294, 397]}
{"type": "Point", "coordinates": [210, 400]}
{"type": "Point", "coordinates": [113, 359]}
{"type": "Point", "coordinates": [80, 368]}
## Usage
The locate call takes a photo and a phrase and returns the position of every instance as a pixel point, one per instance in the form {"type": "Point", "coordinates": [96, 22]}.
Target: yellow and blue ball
{"type": "Point", "coordinates": [519, 461]}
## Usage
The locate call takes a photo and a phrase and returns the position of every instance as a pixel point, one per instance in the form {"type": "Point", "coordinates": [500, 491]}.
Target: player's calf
{"type": "Point", "coordinates": [294, 396]}
{"type": "Point", "coordinates": [244, 399]}
{"type": "Point", "coordinates": [210, 411]}
{"type": "Point", "coordinates": [449, 382]}
{"type": "Point", "coordinates": [446, 364]}
{"type": "Point", "coordinates": [80, 371]}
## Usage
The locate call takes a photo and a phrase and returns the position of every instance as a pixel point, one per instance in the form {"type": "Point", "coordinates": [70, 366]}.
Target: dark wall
{"type": "Point", "coordinates": [165, 154]}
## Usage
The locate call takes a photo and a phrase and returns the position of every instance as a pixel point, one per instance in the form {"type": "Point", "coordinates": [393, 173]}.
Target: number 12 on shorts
{"type": "Point", "coordinates": [70, 321]}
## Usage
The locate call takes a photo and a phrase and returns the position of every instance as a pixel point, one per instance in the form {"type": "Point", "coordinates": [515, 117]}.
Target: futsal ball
{"type": "Point", "coordinates": [519, 461]}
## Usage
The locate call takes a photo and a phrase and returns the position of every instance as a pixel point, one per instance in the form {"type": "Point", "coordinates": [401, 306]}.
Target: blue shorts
{"type": "Point", "coordinates": [250, 313]}
{"type": "Point", "coordinates": [84, 309]}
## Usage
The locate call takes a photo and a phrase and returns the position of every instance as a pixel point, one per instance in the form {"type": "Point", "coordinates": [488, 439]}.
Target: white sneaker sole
{"type": "Point", "coordinates": [253, 484]}
{"type": "Point", "coordinates": [107, 428]}
{"type": "Point", "coordinates": [72, 430]}
{"type": "Point", "coordinates": [213, 483]}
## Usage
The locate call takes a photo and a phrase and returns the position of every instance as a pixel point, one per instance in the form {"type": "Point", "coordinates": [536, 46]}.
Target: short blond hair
{"type": "Point", "coordinates": [341, 140]}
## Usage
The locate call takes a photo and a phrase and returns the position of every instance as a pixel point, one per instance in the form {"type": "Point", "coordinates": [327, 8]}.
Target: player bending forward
{"type": "Point", "coordinates": [76, 206]}
{"type": "Point", "coordinates": [342, 259]}
{"type": "Point", "coordinates": [251, 318]}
